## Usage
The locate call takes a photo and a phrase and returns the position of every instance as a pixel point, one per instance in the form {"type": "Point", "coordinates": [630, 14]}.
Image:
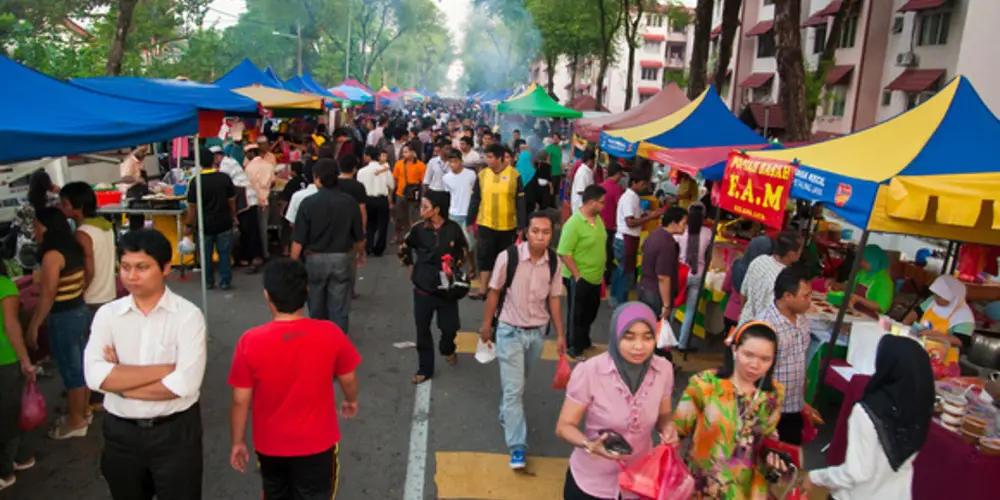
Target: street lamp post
{"type": "Point", "coordinates": [298, 37]}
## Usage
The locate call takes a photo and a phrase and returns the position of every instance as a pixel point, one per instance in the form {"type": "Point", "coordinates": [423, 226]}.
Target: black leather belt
{"type": "Point", "coordinates": [149, 423]}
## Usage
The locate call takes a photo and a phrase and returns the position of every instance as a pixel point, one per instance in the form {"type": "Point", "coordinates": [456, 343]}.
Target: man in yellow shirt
{"type": "Point", "coordinates": [498, 208]}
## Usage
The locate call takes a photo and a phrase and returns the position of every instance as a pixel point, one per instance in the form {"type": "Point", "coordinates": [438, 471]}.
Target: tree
{"type": "Point", "coordinates": [791, 70]}
{"type": "Point", "coordinates": [610, 16]}
{"type": "Point", "coordinates": [565, 29]}
{"type": "Point", "coordinates": [123, 22]}
{"type": "Point", "coordinates": [634, 9]}
{"type": "Point", "coordinates": [730, 21]}
{"type": "Point", "coordinates": [699, 51]}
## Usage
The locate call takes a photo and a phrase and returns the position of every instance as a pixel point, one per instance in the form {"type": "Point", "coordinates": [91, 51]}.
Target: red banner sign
{"type": "Point", "coordinates": [756, 189]}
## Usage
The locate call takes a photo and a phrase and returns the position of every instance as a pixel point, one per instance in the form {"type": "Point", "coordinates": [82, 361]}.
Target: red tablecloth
{"type": "Point", "coordinates": [946, 466]}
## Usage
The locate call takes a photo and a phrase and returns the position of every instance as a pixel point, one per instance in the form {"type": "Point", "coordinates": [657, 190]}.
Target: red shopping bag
{"type": "Point", "coordinates": [33, 410]}
{"type": "Point", "coordinates": [563, 371]}
{"type": "Point", "coordinates": [660, 475]}
{"type": "Point", "coordinates": [683, 271]}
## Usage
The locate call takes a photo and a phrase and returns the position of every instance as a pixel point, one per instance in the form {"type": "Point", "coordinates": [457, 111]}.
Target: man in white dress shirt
{"type": "Point", "coordinates": [376, 177]}
{"type": "Point", "coordinates": [584, 177]}
{"type": "Point", "coordinates": [147, 354]}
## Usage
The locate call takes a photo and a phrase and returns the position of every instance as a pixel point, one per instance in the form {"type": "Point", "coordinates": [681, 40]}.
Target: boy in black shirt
{"type": "Point", "coordinates": [219, 214]}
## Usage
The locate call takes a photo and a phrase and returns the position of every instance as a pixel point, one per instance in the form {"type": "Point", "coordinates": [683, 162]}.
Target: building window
{"type": "Point", "coordinates": [848, 33]}
{"type": "Point", "coordinates": [897, 25]}
{"type": "Point", "coordinates": [836, 100]}
{"type": "Point", "coordinates": [886, 98]}
{"type": "Point", "coordinates": [762, 93]}
{"type": "Point", "coordinates": [651, 47]}
{"type": "Point", "coordinates": [819, 42]}
{"type": "Point", "coordinates": [765, 45]}
{"type": "Point", "coordinates": [644, 97]}
{"type": "Point", "coordinates": [650, 73]}
{"type": "Point", "coordinates": [654, 20]}
{"type": "Point", "coordinates": [914, 100]}
{"type": "Point", "coordinates": [934, 28]}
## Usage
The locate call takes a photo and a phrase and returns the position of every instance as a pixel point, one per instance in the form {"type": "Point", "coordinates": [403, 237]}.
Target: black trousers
{"type": "Point", "coordinates": [573, 492]}
{"type": "Point", "coordinates": [556, 190]}
{"type": "Point", "coordinates": [251, 246]}
{"type": "Point", "coordinates": [790, 428]}
{"type": "Point", "coordinates": [164, 460]}
{"type": "Point", "coordinates": [609, 253]}
{"type": "Point", "coordinates": [378, 224]}
{"type": "Point", "coordinates": [311, 477]}
{"type": "Point", "coordinates": [424, 307]}
{"type": "Point", "coordinates": [582, 312]}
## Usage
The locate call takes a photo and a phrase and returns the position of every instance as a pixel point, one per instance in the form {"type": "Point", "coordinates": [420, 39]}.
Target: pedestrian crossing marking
{"type": "Point", "coordinates": [487, 476]}
{"type": "Point", "coordinates": [466, 343]}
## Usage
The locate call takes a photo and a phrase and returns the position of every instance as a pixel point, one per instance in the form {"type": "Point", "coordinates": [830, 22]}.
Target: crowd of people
{"type": "Point", "coordinates": [456, 201]}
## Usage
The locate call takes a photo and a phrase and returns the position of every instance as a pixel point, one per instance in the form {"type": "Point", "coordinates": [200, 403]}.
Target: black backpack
{"type": "Point", "coordinates": [512, 256]}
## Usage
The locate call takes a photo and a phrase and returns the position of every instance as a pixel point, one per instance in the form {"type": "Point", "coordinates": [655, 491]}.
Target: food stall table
{"type": "Point", "coordinates": [822, 316]}
{"type": "Point", "coordinates": [167, 221]}
{"type": "Point", "coordinates": [946, 466]}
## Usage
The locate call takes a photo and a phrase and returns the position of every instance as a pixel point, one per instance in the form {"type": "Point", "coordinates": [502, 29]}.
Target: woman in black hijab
{"type": "Point", "coordinates": [887, 427]}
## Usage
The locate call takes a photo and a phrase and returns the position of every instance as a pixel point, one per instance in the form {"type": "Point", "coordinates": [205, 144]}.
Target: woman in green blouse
{"type": "Point", "coordinates": [874, 289]}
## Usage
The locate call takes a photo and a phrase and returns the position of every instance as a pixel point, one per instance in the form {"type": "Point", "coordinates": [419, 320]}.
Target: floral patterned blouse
{"type": "Point", "coordinates": [723, 452]}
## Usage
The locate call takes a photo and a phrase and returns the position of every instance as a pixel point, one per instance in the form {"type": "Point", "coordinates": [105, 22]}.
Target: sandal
{"type": "Point", "coordinates": [25, 466]}
{"type": "Point", "coordinates": [452, 359]}
{"type": "Point", "coordinates": [7, 483]}
{"type": "Point", "coordinates": [419, 379]}
{"type": "Point", "coordinates": [61, 432]}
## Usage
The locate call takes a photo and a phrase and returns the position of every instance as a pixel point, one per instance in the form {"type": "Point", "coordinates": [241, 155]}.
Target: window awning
{"type": "Point", "coordinates": [814, 20]}
{"type": "Point", "coordinates": [757, 80]}
{"type": "Point", "coordinates": [838, 74]}
{"type": "Point", "coordinates": [653, 37]}
{"type": "Point", "coordinates": [761, 28]}
{"type": "Point", "coordinates": [918, 5]}
{"type": "Point", "coordinates": [773, 116]}
{"type": "Point", "coordinates": [648, 90]}
{"type": "Point", "coordinates": [651, 64]}
{"type": "Point", "coordinates": [916, 80]}
{"type": "Point", "coordinates": [831, 8]}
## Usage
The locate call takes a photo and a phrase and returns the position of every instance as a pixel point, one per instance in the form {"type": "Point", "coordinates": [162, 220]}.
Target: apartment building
{"type": "Point", "coordinates": [662, 56]}
{"type": "Point", "coordinates": [891, 55]}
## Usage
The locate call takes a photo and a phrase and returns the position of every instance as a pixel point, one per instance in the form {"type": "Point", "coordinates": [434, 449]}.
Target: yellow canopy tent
{"type": "Point", "coordinates": [283, 99]}
{"type": "Point", "coordinates": [930, 171]}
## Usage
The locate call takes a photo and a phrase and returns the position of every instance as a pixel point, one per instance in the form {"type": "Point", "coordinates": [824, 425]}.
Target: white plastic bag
{"type": "Point", "coordinates": [485, 352]}
{"type": "Point", "coordinates": [666, 339]}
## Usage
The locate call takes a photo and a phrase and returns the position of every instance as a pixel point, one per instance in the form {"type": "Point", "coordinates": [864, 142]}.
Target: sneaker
{"type": "Point", "coordinates": [517, 460]}
{"type": "Point", "coordinates": [225, 287]}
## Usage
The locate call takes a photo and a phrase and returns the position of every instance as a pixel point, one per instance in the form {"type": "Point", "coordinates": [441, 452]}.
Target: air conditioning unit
{"type": "Point", "coordinates": [906, 59]}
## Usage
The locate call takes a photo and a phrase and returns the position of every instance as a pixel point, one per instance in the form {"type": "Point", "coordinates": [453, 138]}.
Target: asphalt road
{"type": "Point", "coordinates": [465, 455]}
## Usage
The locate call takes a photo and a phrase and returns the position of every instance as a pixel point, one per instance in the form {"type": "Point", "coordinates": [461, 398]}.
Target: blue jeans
{"type": "Point", "coordinates": [518, 350]}
{"type": "Point", "coordinates": [690, 310]}
{"type": "Point", "coordinates": [223, 244]}
{"type": "Point", "coordinates": [330, 284]}
{"type": "Point", "coordinates": [621, 285]}
{"type": "Point", "coordinates": [66, 332]}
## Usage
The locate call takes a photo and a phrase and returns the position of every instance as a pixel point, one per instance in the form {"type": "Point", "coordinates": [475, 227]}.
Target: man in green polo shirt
{"type": "Point", "coordinates": [555, 158]}
{"type": "Point", "coordinates": [581, 248]}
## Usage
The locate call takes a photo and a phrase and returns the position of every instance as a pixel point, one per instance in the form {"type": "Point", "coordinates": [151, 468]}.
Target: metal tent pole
{"type": "Point", "coordinates": [201, 232]}
{"type": "Point", "coordinates": [851, 282]}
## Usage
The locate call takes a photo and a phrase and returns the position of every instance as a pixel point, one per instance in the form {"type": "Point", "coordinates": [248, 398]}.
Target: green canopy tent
{"type": "Point", "coordinates": [536, 102]}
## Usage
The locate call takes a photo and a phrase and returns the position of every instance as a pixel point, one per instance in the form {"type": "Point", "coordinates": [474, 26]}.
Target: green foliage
{"type": "Point", "coordinates": [679, 15]}
{"type": "Point", "coordinates": [678, 76]}
{"type": "Point", "coordinates": [815, 86]}
{"type": "Point", "coordinates": [500, 41]}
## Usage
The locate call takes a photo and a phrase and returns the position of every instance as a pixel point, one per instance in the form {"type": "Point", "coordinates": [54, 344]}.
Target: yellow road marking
{"type": "Point", "coordinates": [466, 344]}
{"type": "Point", "coordinates": [486, 476]}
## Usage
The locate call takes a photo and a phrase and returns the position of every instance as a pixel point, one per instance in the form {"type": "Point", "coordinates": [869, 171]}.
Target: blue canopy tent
{"type": "Point", "coordinates": [47, 117]}
{"type": "Point", "coordinates": [354, 94]}
{"type": "Point", "coordinates": [704, 122]}
{"type": "Point", "coordinates": [269, 71]}
{"type": "Point", "coordinates": [316, 87]}
{"type": "Point", "coordinates": [200, 95]}
{"type": "Point", "coordinates": [246, 74]}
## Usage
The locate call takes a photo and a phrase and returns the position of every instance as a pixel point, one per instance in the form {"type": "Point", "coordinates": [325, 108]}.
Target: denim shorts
{"type": "Point", "coordinates": [67, 330]}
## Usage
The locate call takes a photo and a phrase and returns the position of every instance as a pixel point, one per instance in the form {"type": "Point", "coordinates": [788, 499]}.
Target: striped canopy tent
{"type": "Point", "coordinates": [350, 82]}
{"type": "Point", "coordinates": [386, 96]}
{"type": "Point", "coordinates": [704, 122]}
{"type": "Point", "coordinates": [535, 101]}
{"type": "Point", "coordinates": [298, 84]}
{"type": "Point", "coordinates": [413, 95]}
{"type": "Point", "coordinates": [282, 102]}
{"type": "Point", "coordinates": [930, 171]}
{"type": "Point", "coordinates": [246, 74]}
{"type": "Point", "coordinates": [665, 102]}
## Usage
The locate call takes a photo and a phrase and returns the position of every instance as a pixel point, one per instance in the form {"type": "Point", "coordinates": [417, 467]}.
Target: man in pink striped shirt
{"type": "Point", "coordinates": [531, 301]}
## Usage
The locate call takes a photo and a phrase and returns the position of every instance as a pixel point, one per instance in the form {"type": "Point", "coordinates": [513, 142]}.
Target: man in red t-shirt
{"type": "Point", "coordinates": [286, 369]}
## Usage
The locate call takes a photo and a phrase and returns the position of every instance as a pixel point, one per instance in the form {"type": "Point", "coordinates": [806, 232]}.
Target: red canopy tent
{"type": "Point", "coordinates": [585, 103]}
{"type": "Point", "coordinates": [665, 102]}
{"type": "Point", "coordinates": [693, 160]}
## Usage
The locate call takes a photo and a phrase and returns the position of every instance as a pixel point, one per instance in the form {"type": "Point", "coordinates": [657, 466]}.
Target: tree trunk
{"type": "Point", "coordinates": [827, 57]}
{"type": "Point", "coordinates": [631, 32]}
{"type": "Point", "coordinates": [607, 40]}
{"type": "Point", "coordinates": [791, 70]}
{"type": "Point", "coordinates": [730, 21]}
{"type": "Point", "coordinates": [124, 22]}
{"type": "Point", "coordinates": [699, 52]}
{"type": "Point", "coordinates": [575, 61]}
{"type": "Point", "coordinates": [550, 73]}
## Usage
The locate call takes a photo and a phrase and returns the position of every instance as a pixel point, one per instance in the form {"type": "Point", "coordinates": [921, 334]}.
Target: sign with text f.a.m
{"type": "Point", "coordinates": [756, 189]}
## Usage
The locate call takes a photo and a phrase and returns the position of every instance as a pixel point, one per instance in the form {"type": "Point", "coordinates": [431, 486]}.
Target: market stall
{"type": "Point", "coordinates": [535, 101]}
{"type": "Point", "coordinates": [664, 103]}
{"type": "Point", "coordinates": [246, 74]}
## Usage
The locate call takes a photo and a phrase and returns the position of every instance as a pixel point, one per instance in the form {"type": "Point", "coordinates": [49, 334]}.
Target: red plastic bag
{"type": "Point", "coordinates": [33, 411]}
{"type": "Point", "coordinates": [683, 271]}
{"type": "Point", "coordinates": [660, 475]}
{"type": "Point", "coordinates": [563, 371]}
